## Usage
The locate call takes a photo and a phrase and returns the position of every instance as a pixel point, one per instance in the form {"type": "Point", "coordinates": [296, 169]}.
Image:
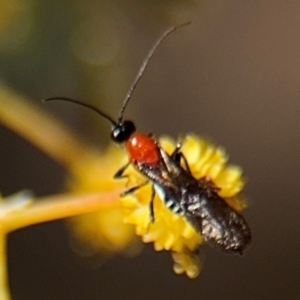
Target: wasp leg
{"type": "Point", "coordinates": [152, 217]}
{"type": "Point", "coordinates": [133, 189]}
{"type": "Point", "coordinates": [177, 155]}
{"type": "Point", "coordinates": [120, 173]}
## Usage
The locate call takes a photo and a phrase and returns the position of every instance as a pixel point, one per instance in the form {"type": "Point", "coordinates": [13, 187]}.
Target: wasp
{"type": "Point", "coordinates": [195, 199]}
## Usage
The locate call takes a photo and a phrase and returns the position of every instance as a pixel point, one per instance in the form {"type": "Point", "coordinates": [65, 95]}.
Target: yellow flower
{"type": "Point", "coordinates": [105, 230]}
{"type": "Point", "coordinates": [169, 230]}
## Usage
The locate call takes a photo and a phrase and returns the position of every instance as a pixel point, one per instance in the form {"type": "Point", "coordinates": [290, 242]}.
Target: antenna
{"type": "Point", "coordinates": [133, 86]}
{"type": "Point", "coordinates": [143, 67]}
{"type": "Point", "coordinates": [112, 121]}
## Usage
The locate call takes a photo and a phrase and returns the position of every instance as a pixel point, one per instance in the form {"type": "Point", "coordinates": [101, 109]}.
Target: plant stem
{"type": "Point", "coordinates": [40, 128]}
{"type": "Point", "coordinates": [4, 287]}
{"type": "Point", "coordinates": [57, 207]}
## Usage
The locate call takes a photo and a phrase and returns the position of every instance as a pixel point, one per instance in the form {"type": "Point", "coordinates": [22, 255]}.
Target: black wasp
{"type": "Point", "coordinates": [197, 200]}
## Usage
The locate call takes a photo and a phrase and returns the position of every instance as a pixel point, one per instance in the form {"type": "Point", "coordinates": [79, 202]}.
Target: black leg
{"type": "Point", "coordinates": [152, 217]}
{"type": "Point", "coordinates": [133, 189]}
{"type": "Point", "coordinates": [177, 155]}
{"type": "Point", "coordinates": [120, 172]}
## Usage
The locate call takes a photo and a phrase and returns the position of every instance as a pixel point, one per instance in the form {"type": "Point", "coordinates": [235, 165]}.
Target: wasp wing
{"type": "Point", "coordinates": [198, 201]}
{"type": "Point", "coordinates": [220, 225]}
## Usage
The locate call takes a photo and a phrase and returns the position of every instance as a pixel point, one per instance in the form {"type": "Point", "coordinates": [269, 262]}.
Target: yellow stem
{"type": "Point", "coordinates": [54, 139]}
{"type": "Point", "coordinates": [4, 288]}
{"type": "Point", "coordinates": [58, 207]}
{"type": "Point", "coordinates": [39, 128]}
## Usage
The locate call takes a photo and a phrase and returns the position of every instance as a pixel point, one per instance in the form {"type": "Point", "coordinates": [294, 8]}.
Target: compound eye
{"type": "Point", "coordinates": [121, 132]}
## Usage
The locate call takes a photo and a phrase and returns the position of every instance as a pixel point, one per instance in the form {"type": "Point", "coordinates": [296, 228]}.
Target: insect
{"type": "Point", "coordinates": [195, 199]}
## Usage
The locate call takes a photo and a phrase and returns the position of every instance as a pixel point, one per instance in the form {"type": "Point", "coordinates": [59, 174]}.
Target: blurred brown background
{"type": "Point", "coordinates": [233, 76]}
